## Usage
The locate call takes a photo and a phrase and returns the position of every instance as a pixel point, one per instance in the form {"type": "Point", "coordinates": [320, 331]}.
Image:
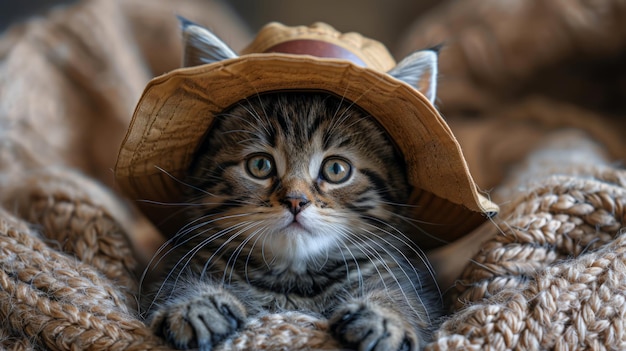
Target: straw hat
{"type": "Point", "coordinates": [177, 108]}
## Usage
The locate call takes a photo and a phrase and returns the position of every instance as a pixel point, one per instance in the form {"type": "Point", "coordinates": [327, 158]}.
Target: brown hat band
{"type": "Point", "coordinates": [318, 48]}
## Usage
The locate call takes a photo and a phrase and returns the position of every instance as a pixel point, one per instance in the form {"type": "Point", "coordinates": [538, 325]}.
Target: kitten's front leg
{"type": "Point", "coordinates": [202, 316]}
{"type": "Point", "coordinates": [367, 325]}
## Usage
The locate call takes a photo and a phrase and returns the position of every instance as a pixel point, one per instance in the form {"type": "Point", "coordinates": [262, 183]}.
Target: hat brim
{"type": "Point", "coordinates": [176, 110]}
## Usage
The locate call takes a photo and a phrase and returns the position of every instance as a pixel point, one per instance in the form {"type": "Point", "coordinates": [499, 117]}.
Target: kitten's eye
{"type": "Point", "coordinates": [260, 166]}
{"type": "Point", "coordinates": [336, 170]}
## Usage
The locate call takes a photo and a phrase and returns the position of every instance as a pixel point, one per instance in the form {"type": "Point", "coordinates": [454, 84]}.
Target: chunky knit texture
{"type": "Point", "coordinates": [551, 275]}
{"type": "Point", "coordinates": [554, 275]}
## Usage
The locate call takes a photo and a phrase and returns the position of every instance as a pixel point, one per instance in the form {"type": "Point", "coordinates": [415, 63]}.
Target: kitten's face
{"type": "Point", "coordinates": [297, 176]}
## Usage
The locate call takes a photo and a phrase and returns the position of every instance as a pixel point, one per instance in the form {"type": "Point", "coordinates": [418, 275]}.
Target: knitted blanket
{"type": "Point", "coordinates": [548, 273]}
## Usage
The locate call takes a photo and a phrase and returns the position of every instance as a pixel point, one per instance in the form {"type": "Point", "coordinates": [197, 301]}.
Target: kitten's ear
{"type": "Point", "coordinates": [419, 70]}
{"type": "Point", "coordinates": [200, 46]}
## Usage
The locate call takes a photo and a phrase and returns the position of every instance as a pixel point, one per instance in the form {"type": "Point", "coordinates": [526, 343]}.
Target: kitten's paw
{"type": "Point", "coordinates": [371, 328]}
{"type": "Point", "coordinates": [200, 321]}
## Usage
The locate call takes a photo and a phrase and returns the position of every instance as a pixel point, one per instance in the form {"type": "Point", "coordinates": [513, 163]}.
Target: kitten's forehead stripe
{"type": "Point", "coordinates": [270, 136]}
{"type": "Point", "coordinates": [283, 121]}
{"type": "Point", "coordinates": [313, 127]}
{"type": "Point", "coordinates": [345, 142]}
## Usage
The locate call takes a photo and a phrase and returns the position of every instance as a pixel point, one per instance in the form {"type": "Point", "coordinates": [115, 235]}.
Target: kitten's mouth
{"type": "Point", "coordinates": [295, 226]}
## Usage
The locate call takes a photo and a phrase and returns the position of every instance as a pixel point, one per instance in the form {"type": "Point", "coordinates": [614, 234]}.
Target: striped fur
{"type": "Point", "coordinates": [296, 203]}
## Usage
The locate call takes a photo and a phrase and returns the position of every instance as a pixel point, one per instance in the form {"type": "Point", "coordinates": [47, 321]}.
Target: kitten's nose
{"type": "Point", "coordinates": [295, 203]}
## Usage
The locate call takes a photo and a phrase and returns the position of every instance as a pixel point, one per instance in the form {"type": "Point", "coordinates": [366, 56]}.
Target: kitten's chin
{"type": "Point", "coordinates": [296, 229]}
{"type": "Point", "coordinates": [294, 245]}
{"type": "Point", "coordinates": [297, 239]}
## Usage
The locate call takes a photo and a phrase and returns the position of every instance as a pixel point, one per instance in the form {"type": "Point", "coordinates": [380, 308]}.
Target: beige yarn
{"type": "Point", "coordinates": [570, 306]}
{"type": "Point", "coordinates": [283, 332]}
{"type": "Point", "coordinates": [57, 301]}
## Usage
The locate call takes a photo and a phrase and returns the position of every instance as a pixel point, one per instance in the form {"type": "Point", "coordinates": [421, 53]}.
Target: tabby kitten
{"type": "Point", "coordinates": [296, 202]}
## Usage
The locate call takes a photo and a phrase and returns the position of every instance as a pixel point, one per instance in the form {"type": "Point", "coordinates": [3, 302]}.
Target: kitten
{"type": "Point", "coordinates": [297, 202]}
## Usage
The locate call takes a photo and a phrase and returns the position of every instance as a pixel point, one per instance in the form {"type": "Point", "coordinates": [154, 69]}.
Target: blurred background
{"type": "Point", "coordinates": [383, 20]}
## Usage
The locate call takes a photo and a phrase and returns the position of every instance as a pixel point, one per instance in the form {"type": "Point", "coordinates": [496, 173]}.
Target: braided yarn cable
{"type": "Point", "coordinates": [554, 277]}
{"type": "Point", "coordinates": [66, 268]}
{"type": "Point", "coordinates": [74, 213]}
{"type": "Point", "coordinates": [283, 332]}
{"type": "Point", "coordinates": [56, 302]}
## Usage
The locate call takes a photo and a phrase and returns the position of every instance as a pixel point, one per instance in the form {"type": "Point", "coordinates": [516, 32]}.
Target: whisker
{"type": "Point", "coordinates": [253, 113]}
{"type": "Point", "coordinates": [364, 240]}
{"type": "Point", "coordinates": [160, 254]}
{"type": "Point", "coordinates": [172, 270]}
{"type": "Point", "coordinates": [267, 264]}
{"type": "Point", "coordinates": [246, 120]}
{"type": "Point", "coordinates": [181, 182]}
{"type": "Point", "coordinates": [349, 237]}
{"type": "Point", "coordinates": [251, 251]}
{"type": "Point", "coordinates": [402, 269]}
{"type": "Point", "coordinates": [237, 251]}
{"type": "Point", "coordinates": [356, 263]}
{"type": "Point", "coordinates": [398, 204]}
{"type": "Point", "coordinates": [201, 221]}
{"type": "Point", "coordinates": [241, 228]}
{"type": "Point", "coordinates": [406, 242]}
{"type": "Point", "coordinates": [415, 223]}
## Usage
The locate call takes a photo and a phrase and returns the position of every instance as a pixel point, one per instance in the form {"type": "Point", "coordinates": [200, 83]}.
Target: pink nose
{"type": "Point", "coordinates": [295, 204]}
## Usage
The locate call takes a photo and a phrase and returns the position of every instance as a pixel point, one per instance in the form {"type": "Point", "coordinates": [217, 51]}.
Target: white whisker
{"type": "Point", "coordinates": [180, 181]}
{"type": "Point", "coordinates": [356, 263]}
{"type": "Point", "coordinates": [237, 251]}
{"type": "Point", "coordinates": [409, 278]}
{"type": "Point", "coordinates": [405, 240]}
{"type": "Point", "coordinates": [407, 243]}
{"type": "Point", "coordinates": [251, 251]}
{"type": "Point", "coordinates": [349, 237]}
{"type": "Point", "coordinates": [172, 270]}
